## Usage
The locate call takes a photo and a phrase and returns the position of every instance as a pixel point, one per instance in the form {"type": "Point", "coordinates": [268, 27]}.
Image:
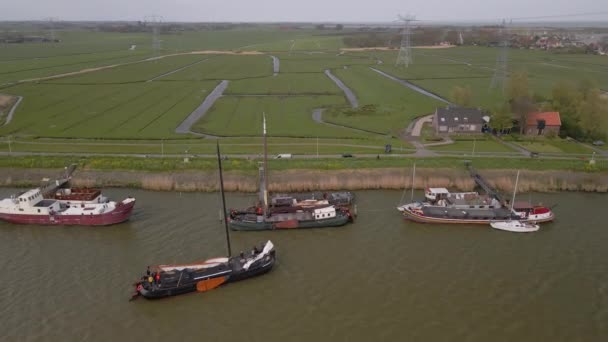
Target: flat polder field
{"type": "Point", "coordinates": [102, 92]}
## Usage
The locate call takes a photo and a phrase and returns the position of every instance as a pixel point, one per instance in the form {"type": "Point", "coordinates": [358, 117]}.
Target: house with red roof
{"type": "Point", "coordinates": [542, 123]}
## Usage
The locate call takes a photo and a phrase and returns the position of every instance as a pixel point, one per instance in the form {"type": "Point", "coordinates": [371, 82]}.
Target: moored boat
{"type": "Point", "coordinates": [289, 212]}
{"type": "Point", "coordinates": [445, 207]}
{"type": "Point", "coordinates": [317, 217]}
{"type": "Point", "coordinates": [172, 280]}
{"type": "Point", "coordinates": [32, 208]}
{"type": "Point", "coordinates": [515, 226]}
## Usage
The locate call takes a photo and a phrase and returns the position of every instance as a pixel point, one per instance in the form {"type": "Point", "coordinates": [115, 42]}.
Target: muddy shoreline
{"type": "Point", "coordinates": [313, 180]}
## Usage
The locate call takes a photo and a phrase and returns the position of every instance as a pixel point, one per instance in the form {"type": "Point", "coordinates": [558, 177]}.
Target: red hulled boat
{"type": "Point", "coordinates": [32, 208]}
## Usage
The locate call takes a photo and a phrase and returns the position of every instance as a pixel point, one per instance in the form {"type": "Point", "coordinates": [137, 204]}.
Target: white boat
{"type": "Point", "coordinates": [515, 226]}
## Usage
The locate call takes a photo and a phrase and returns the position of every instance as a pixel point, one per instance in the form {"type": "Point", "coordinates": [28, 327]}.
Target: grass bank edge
{"type": "Point", "coordinates": [251, 165]}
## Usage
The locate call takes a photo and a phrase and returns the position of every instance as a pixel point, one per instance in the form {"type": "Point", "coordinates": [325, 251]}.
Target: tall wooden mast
{"type": "Point", "coordinates": [219, 162]}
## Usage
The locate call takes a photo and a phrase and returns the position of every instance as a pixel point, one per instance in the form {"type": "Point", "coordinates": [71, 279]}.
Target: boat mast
{"type": "Point", "coordinates": [413, 178]}
{"type": "Point", "coordinates": [514, 191]}
{"type": "Point", "coordinates": [265, 194]}
{"type": "Point", "coordinates": [219, 162]}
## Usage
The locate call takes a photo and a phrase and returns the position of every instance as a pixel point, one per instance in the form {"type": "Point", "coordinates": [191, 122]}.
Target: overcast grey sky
{"type": "Point", "coordinates": [298, 10]}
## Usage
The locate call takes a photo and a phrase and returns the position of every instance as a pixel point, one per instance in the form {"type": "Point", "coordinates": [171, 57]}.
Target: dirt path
{"type": "Point", "coordinates": [84, 71]}
{"type": "Point", "coordinates": [413, 87]}
{"type": "Point", "coordinates": [350, 96]}
{"type": "Point", "coordinates": [186, 126]}
{"type": "Point", "coordinates": [177, 70]}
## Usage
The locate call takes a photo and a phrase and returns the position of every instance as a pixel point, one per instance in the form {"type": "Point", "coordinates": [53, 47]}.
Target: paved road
{"type": "Point", "coordinates": [418, 154]}
{"type": "Point", "coordinates": [9, 117]}
{"type": "Point", "coordinates": [419, 123]}
{"type": "Point", "coordinates": [414, 87]}
{"type": "Point", "coordinates": [352, 99]}
{"type": "Point", "coordinates": [186, 126]}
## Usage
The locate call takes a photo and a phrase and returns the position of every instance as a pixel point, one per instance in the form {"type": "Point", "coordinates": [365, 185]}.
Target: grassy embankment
{"type": "Point", "coordinates": [471, 144]}
{"type": "Point", "coordinates": [301, 175]}
{"type": "Point", "coordinates": [549, 145]}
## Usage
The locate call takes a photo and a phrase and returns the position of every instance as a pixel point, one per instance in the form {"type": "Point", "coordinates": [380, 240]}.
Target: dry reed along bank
{"type": "Point", "coordinates": [308, 180]}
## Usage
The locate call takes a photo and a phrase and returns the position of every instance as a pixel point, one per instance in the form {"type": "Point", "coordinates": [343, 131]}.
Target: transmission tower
{"type": "Point", "coordinates": [155, 21]}
{"type": "Point", "coordinates": [501, 69]}
{"type": "Point", "coordinates": [405, 51]}
{"type": "Point", "coordinates": [51, 27]}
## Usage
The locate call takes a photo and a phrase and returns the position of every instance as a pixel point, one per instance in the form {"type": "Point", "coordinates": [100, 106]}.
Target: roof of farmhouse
{"type": "Point", "coordinates": [454, 116]}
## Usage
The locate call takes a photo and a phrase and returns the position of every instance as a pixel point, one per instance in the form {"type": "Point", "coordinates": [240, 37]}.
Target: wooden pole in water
{"type": "Point", "coordinates": [219, 162]}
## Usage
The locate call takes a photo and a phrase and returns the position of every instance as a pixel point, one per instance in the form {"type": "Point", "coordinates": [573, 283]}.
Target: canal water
{"type": "Point", "coordinates": [379, 279]}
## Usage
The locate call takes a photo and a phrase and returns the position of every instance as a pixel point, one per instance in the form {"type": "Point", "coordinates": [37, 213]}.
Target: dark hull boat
{"type": "Point", "coordinates": [172, 280]}
{"type": "Point", "coordinates": [290, 212]}
{"type": "Point", "coordinates": [324, 217]}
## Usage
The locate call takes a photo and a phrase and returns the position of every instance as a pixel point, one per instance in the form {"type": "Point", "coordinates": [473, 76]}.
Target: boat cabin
{"type": "Point", "coordinates": [434, 194]}
{"type": "Point", "coordinates": [30, 198]}
{"type": "Point", "coordinates": [33, 202]}
{"type": "Point", "coordinates": [324, 213]}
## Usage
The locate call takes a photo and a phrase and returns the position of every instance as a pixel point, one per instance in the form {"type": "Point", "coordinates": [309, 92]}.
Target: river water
{"type": "Point", "coordinates": [379, 279]}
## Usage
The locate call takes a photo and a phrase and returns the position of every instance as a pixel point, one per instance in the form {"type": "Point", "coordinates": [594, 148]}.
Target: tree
{"type": "Point", "coordinates": [501, 118]}
{"type": "Point", "coordinates": [519, 95]}
{"type": "Point", "coordinates": [462, 96]}
{"type": "Point", "coordinates": [566, 99]}
{"type": "Point", "coordinates": [593, 114]}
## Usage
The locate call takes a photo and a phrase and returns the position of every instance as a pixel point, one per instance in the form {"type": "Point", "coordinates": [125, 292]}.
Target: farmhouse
{"type": "Point", "coordinates": [543, 123]}
{"type": "Point", "coordinates": [459, 120]}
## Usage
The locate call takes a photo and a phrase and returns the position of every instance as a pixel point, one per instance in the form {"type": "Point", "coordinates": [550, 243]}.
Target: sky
{"type": "Point", "coordinates": [300, 10]}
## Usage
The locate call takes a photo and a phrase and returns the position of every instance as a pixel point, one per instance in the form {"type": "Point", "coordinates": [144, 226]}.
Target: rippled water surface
{"type": "Point", "coordinates": [379, 279]}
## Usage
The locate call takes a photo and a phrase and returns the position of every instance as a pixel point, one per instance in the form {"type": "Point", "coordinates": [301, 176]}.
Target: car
{"type": "Point", "coordinates": [347, 155]}
{"type": "Point", "coordinates": [598, 143]}
{"type": "Point", "coordinates": [534, 154]}
{"type": "Point", "coordinates": [283, 156]}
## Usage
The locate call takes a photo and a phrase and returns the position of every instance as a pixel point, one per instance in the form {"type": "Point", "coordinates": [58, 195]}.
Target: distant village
{"type": "Point", "coordinates": [566, 42]}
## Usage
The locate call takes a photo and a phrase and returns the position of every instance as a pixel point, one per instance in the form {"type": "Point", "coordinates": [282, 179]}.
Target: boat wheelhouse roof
{"type": "Point", "coordinates": [45, 203]}
{"type": "Point", "coordinates": [30, 193]}
{"type": "Point", "coordinates": [439, 190]}
{"type": "Point", "coordinates": [522, 205]}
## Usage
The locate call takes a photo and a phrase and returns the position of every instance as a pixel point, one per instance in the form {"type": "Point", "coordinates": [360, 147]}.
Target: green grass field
{"type": "Point", "coordinates": [145, 98]}
{"type": "Point", "coordinates": [555, 145]}
{"type": "Point", "coordinates": [286, 116]}
{"type": "Point", "coordinates": [393, 105]}
{"type": "Point", "coordinates": [471, 145]}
